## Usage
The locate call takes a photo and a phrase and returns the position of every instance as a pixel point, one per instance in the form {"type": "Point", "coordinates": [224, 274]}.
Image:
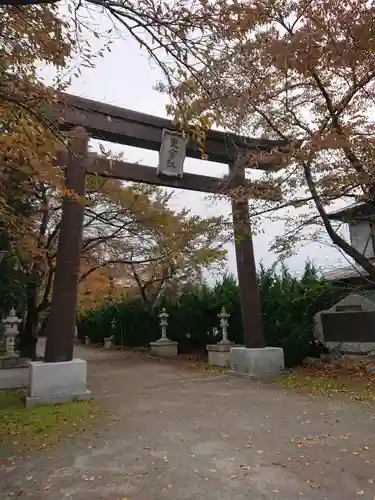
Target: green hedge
{"type": "Point", "coordinates": [288, 306]}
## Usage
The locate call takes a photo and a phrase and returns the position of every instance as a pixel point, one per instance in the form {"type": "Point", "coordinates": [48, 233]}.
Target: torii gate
{"type": "Point", "coordinates": [122, 126]}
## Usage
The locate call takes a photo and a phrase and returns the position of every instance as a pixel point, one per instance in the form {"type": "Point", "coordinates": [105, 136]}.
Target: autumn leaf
{"type": "Point", "coordinates": [266, 77]}
{"type": "Point", "coordinates": [41, 428]}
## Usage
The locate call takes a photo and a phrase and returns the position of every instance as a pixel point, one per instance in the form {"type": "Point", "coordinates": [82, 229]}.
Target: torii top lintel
{"type": "Point", "coordinates": [123, 126]}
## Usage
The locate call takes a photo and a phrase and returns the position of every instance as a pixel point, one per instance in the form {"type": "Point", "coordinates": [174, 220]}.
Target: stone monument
{"type": "Point", "coordinates": [348, 326]}
{"type": "Point", "coordinates": [164, 347]}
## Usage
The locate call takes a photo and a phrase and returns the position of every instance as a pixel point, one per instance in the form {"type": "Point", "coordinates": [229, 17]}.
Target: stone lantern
{"type": "Point", "coordinates": [164, 347]}
{"type": "Point", "coordinates": [223, 316]}
{"type": "Point", "coordinates": [219, 354]}
{"type": "Point", "coordinates": [11, 326]}
{"type": "Point", "coordinates": [163, 316]}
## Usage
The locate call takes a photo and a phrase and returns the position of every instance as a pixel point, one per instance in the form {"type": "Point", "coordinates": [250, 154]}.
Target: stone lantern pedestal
{"type": "Point", "coordinates": [166, 349]}
{"type": "Point", "coordinates": [219, 354]}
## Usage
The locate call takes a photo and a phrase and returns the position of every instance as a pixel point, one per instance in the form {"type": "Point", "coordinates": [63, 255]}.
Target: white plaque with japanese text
{"type": "Point", "coordinates": [172, 153]}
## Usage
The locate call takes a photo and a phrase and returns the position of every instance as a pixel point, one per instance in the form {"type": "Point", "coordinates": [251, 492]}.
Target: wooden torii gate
{"type": "Point", "coordinates": [111, 123]}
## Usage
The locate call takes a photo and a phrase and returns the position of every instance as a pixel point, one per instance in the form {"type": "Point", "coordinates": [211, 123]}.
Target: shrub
{"type": "Point", "coordinates": [288, 305]}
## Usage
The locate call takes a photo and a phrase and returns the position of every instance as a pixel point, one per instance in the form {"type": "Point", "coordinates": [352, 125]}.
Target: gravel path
{"type": "Point", "coordinates": [182, 435]}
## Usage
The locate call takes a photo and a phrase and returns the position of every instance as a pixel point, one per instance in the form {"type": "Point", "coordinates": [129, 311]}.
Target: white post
{"type": "Point", "coordinates": [223, 316]}
{"type": "Point", "coordinates": [164, 324]}
{"type": "Point", "coordinates": [11, 325]}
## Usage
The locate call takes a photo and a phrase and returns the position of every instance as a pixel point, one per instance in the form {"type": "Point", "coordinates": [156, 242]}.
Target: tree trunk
{"type": "Point", "coordinates": [29, 338]}
{"type": "Point", "coordinates": [29, 333]}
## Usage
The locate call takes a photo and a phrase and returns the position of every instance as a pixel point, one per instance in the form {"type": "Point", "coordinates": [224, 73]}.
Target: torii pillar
{"type": "Point", "coordinates": [60, 378]}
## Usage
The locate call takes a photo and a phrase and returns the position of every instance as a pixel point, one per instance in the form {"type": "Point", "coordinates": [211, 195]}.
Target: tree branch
{"type": "Point", "coordinates": [20, 3]}
{"type": "Point", "coordinates": [115, 261]}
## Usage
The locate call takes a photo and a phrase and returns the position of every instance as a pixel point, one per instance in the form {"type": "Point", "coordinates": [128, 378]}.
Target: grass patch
{"type": "Point", "coordinates": [356, 385]}
{"type": "Point", "coordinates": [42, 426]}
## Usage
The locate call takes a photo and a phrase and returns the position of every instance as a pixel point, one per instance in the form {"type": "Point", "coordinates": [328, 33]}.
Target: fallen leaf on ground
{"type": "Point", "coordinates": [312, 484]}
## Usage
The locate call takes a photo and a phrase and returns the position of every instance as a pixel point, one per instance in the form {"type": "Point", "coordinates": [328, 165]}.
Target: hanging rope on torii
{"type": "Point", "coordinates": [110, 123]}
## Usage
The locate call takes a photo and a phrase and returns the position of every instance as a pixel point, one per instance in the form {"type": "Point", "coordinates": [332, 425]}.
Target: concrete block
{"type": "Point", "coordinates": [219, 354]}
{"type": "Point", "coordinates": [14, 378]}
{"type": "Point", "coordinates": [257, 363]}
{"type": "Point", "coordinates": [164, 349]}
{"type": "Point", "coordinates": [57, 382]}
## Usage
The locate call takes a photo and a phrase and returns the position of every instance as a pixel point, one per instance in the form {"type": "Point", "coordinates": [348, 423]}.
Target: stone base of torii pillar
{"type": "Point", "coordinates": [257, 363]}
{"type": "Point", "coordinates": [52, 383]}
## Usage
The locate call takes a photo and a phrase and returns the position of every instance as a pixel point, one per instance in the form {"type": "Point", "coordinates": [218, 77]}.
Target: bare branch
{"type": "Point", "coordinates": [113, 262]}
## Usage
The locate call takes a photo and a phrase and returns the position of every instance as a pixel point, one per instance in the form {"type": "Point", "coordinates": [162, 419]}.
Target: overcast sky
{"type": "Point", "coordinates": [125, 77]}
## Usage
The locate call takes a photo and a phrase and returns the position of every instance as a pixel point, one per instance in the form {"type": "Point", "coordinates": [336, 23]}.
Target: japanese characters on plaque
{"type": "Point", "coordinates": [172, 154]}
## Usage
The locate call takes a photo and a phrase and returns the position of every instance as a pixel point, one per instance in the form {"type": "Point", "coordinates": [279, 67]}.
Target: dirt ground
{"type": "Point", "coordinates": [178, 434]}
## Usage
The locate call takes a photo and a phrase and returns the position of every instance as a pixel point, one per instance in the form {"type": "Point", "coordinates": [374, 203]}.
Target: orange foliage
{"type": "Point", "coordinates": [302, 71]}
{"type": "Point", "coordinates": [103, 285]}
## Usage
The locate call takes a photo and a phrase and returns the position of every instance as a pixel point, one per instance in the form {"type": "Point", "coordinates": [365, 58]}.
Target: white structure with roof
{"type": "Point", "coordinates": [360, 218]}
